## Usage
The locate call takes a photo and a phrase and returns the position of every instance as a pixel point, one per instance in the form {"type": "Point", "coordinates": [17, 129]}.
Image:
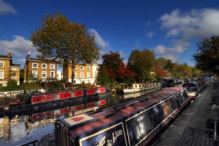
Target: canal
{"type": "Point", "coordinates": [20, 128]}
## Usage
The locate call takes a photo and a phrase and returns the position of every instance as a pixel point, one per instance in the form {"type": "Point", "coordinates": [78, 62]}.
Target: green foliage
{"type": "Point", "coordinates": [12, 83]}
{"type": "Point", "coordinates": [22, 97]}
{"type": "Point", "coordinates": [207, 58]}
{"type": "Point", "coordinates": [103, 78]}
{"type": "Point", "coordinates": [30, 86]}
{"type": "Point", "coordinates": [84, 85]}
{"type": "Point", "coordinates": [32, 78]}
{"type": "Point", "coordinates": [21, 75]}
{"type": "Point", "coordinates": [64, 41]}
{"type": "Point", "coordinates": [8, 88]}
{"type": "Point", "coordinates": [4, 100]}
{"type": "Point", "coordinates": [142, 63]}
{"type": "Point", "coordinates": [113, 70]}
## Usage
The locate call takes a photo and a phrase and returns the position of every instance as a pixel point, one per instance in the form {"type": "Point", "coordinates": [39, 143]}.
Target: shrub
{"type": "Point", "coordinates": [12, 83]}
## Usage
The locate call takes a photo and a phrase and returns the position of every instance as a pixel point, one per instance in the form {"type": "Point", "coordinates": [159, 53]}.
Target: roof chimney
{"type": "Point", "coordinates": [9, 53]}
{"type": "Point", "coordinates": [28, 55]}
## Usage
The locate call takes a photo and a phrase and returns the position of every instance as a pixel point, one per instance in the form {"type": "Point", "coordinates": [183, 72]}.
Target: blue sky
{"type": "Point", "coordinates": [171, 28]}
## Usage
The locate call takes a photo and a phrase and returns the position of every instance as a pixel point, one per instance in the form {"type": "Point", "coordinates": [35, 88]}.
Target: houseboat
{"type": "Point", "coordinates": [194, 88]}
{"type": "Point", "coordinates": [48, 101]}
{"type": "Point", "coordinates": [125, 124]}
{"type": "Point", "coordinates": [140, 87]}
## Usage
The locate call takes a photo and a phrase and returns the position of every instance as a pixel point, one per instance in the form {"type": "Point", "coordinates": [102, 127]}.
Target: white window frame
{"type": "Point", "coordinates": [2, 74]}
{"type": "Point", "coordinates": [35, 72]}
{"type": "Point", "coordinates": [14, 68]}
{"type": "Point", "coordinates": [36, 65]}
{"type": "Point", "coordinates": [53, 66]}
{"type": "Point", "coordinates": [81, 74]}
{"type": "Point", "coordinates": [88, 68]}
{"type": "Point", "coordinates": [44, 72]}
{"type": "Point", "coordinates": [81, 68]}
{"type": "Point", "coordinates": [3, 63]}
{"type": "Point", "coordinates": [14, 76]}
{"type": "Point", "coordinates": [75, 74]}
{"type": "Point", "coordinates": [88, 74]}
{"type": "Point", "coordinates": [44, 67]}
{"type": "Point", "coordinates": [51, 74]}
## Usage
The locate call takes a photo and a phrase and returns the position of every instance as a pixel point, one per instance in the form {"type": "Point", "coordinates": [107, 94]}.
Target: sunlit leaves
{"type": "Point", "coordinates": [142, 63]}
{"type": "Point", "coordinates": [64, 41]}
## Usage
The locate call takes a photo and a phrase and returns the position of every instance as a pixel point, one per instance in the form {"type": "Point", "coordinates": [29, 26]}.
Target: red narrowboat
{"type": "Point", "coordinates": [135, 122]}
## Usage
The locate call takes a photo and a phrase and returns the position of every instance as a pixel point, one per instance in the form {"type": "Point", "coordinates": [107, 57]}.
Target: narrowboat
{"type": "Point", "coordinates": [194, 88]}
{"type": "Point", "coordinates": [47, 101]}
{"type": "Point", "coordinates": [135, 122]}
{"type": "Point", "coordinates": [140, 87]}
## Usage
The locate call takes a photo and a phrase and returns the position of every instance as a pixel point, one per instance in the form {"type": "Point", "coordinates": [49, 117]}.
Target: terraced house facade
{"type": "Point", "coordinates": [38, 69]}
{"type": "Point", "coordinates": [84, 73]}
{"type": "Point", "coordinates": [8, 70]}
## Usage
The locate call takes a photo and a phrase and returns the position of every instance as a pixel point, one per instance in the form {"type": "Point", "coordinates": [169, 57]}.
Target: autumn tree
{"type": "Point", "coordinates": [207, 56]}
{"type": "Point", "coordinates": [125, 74]}
{"type": "Point", "coordinates": [112, 62]}
{"type": "Point", "coordinates": [64, 41]}
{"type": "Point", "coordinates": [141, 62]}
{"type": "Point", "coordinates": [159, 70]}
{"type": "Point", "coordinates": [113, 70]}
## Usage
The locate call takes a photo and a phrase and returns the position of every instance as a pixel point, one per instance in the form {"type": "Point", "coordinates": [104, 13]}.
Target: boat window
{"type": "Point", "coordinates": [142, 125]}
{"type": "Point", "coordinates": [148, 121]}
{"type": "Point", "coordinates": [139, 127]}
{"type": "Point", "coordinates": [167, 107]}
{"type": "Point", "coordinates": [139, 85]}
{"type": "Point", "coordinates": [136, 86]}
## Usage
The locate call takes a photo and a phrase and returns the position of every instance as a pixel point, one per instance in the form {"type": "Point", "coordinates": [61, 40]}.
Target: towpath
{"type": "Point", "coordinates": [179, 133]}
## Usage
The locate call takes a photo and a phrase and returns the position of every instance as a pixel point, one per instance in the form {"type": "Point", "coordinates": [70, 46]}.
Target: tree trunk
{"type": "Point", "coordinates": [72, 73]}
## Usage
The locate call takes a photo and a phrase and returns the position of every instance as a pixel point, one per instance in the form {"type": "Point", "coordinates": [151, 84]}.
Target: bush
{"type": "Point", "coordinates": [12, 83]}
{"type": "Point", "coordinates": [22, 97]}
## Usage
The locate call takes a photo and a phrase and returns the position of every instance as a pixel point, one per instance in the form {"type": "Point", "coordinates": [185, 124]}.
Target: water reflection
{"type": "Point", "coordinates": [20, 128]}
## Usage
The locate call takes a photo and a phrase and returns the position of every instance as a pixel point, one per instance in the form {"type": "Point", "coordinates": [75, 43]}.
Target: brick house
{"type": "Point", "coordinates": [36, 68]}
{"type": "Point", "coordinates": [8, 70]}
{"type": "Point", "coordinates": [84, 73]}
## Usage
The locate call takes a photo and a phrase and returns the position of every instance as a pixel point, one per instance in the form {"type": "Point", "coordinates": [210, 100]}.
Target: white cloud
{"type": "Point", "coordinates": [150, 34]}
{"type": "Point", "coordinates": [196, 24]}
{"type": "Point", "coordinates": [98, 39]}
{"type": "Point", "coordinates": [19, 47]}
{"type": "Point", "coordinates": [179, 47]}
{"type": "Point", "coordinates": [172, 57]}
{"type": "Point", "coordinates": [19, 61]}
{"type": "Point", "coordinates": [171, 52]}
{"type": "Point", "coordinates": [6, 8]}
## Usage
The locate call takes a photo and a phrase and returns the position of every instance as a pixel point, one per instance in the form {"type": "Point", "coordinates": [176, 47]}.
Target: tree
{"type": "Point", "coordinates": [21, 75]}
{"type": "Point", "coordinates": [207, 58]}
{"type": "Point", "coordinates": [113, 70]}
{"type": "Point", "coordinates": [125, 74]}
{"type": "Point", "coordinates": [63, 41]}
{"type": "Point", "coordinates": [112, 62]}
{"type": "Point", "coordinates": [141, 62]}
{"type": "Point", "coordinates": [169, 66]}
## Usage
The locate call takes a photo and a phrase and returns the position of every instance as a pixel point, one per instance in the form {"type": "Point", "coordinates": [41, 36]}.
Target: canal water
{"type": "Point", "coordinates": [20, 128]}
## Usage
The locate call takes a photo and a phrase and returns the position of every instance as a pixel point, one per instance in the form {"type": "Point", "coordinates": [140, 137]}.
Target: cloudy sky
{"type": "Point", "coordinates": [170, 28]}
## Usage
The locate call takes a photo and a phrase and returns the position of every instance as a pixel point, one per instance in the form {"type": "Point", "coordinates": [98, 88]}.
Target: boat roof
{"type": "Point", "coordinates": [153, 98]}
